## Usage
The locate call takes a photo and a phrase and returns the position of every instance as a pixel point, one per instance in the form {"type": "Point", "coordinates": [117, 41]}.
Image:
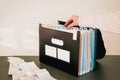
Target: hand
{"type": "Point", "coordinates": [72, 21]}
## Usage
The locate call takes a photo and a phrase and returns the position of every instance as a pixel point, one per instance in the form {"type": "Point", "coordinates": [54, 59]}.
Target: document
{"type": "Point", "coordinates": [21, 70]}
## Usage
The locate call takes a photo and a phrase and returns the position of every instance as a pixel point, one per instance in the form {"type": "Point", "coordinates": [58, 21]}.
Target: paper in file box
{"type": "Point", "coordinates": [72, 51]}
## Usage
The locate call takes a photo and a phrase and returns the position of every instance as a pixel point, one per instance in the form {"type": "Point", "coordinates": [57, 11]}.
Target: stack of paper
{"type": "Point", "coordinates": [21, 70]}
{"type": "Point", "coordinates": [86, 62]}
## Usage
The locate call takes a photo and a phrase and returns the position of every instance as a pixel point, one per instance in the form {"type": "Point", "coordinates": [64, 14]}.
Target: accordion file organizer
{"type": "Point", "coordinates": [72, 51]}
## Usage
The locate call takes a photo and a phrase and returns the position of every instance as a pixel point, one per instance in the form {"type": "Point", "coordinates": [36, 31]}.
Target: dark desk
{"type": "Point", "coordinates": [108, 68]}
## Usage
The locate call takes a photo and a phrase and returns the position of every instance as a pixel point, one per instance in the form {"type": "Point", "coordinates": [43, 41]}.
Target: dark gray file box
{"type": "Point", "coordinates": [45, 35]}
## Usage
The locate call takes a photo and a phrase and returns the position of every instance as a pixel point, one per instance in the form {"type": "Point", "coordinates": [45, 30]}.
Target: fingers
{"type": "Point", "coordinates": [70, 26]}
{"type": "Point", "coordinates": [72, 21]}
{"type": "Point", "coordinates": [68, 22]}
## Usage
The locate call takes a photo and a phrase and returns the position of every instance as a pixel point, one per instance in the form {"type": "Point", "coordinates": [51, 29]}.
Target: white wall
{"type": "Point", "coordinates": [19, 20]}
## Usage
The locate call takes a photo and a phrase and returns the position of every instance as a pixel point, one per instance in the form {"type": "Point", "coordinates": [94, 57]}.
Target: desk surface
{"type": "Point", "coordinates": [108, 68]}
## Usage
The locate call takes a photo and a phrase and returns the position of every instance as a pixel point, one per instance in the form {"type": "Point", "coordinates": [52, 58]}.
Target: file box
{"type": "Point", "coordinates": [73, 51]}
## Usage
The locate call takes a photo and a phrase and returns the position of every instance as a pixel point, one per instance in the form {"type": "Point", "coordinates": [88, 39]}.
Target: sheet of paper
{"type": "Point", "coordinates": [21, 70]}
{"type": "Point", "coordinates": [44, 75]}
{"type": "Point", "coordinates": [14, 63]}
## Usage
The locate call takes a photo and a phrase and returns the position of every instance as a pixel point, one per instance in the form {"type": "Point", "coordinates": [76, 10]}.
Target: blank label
{"type": "Point", "coordinates": [64, 55]}
{"type": "Point", "coordinates": [50, 51]}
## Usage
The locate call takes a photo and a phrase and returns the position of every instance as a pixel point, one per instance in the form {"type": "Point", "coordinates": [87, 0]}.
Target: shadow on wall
{"type": "Point", "coordinates": [112, 43]}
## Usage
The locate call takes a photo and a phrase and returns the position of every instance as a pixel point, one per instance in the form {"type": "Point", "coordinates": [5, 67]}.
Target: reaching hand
{"type": "Point", "coordinates": [72, 21]}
